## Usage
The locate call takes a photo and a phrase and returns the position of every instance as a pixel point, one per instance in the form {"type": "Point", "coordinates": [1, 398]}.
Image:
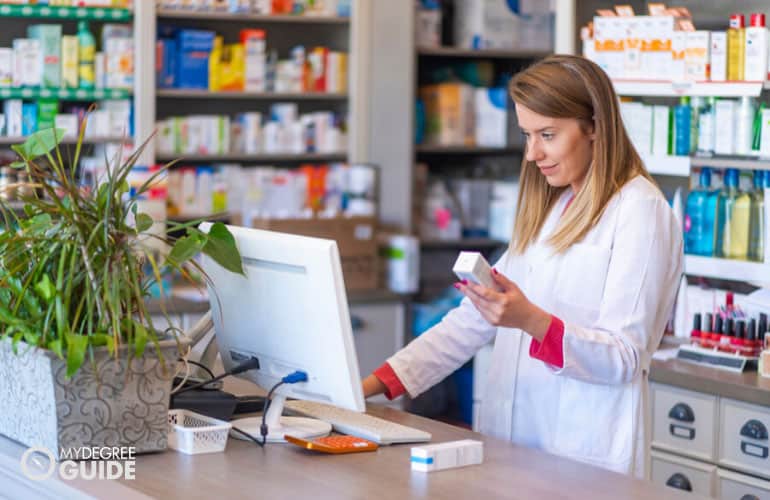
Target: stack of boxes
{"type": "Point", "coordinates": [199, 59]}
{"type": "Point", "coordinates": [665, 45]}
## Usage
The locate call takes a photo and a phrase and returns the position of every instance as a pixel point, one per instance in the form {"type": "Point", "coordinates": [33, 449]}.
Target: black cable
{"type": "Point", "coordinates": [200, 365]}
{"type": "Point", "coordinates": [239, 431]}
{"type": "Point", "coordinates": [263, 428]}
{"type": "Point", "coordinates": [250, 364]}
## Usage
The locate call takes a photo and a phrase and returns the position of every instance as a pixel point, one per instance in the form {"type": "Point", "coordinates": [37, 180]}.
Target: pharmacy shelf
{"type": "Point", "coordinates": [65, 13]}
{"type": "Point", "coordinates": [677, 166]}
{"type": "Point", "coordinates": [480, 53]}
{"type": "Point", "coordinates": [8, 140]}
{"type": "Point", "coordinates": [63, 94]}
{"type": "Point", "coordinates": [726, 269]}
{"type": "Point", "coordinates": [655, 88]}
{"type": "Point", "coordinates": [739, 162]}
{"type": "Point", "coordinates": [272, 96]}
{"type": "Point", "coordinates": [467, 243]}
{"type": "Point", "coordinates": [259, 158]}
{"type": "Point", "coordinates": [183, 218]}
{"type": "Point", "coordinates": [250, 18]}
{"type": "Point", "coordinates": [426, 149]}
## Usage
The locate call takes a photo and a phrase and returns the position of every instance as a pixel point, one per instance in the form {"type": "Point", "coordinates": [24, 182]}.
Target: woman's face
{"type": "Point", "coordinates": [560, 147]}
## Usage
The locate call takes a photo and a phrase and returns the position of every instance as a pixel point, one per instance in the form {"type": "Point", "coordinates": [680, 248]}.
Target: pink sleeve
{"type": "Point", "coordinates": [550, 350]}
{"type": "Point", "coordinates": [388, 377]}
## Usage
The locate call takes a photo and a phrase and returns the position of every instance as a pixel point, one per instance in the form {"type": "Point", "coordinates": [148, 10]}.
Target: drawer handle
{"type": "Point", "coordinates": [754, 450]}
{"type": "Point", "coordinates": [356, 322]}
{"type": "Point", "coordinates": [754, 429]}
{"type": "Point", "coordinates": [749, 496]}
{"type": "Point", "coordinates": [680, 482]}
{"type": "Point", "coordinates": [682, 413]}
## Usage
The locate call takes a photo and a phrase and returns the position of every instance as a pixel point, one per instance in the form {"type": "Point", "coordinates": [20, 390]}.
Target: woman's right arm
{"type": "Point", "coordinates": [436, 353]}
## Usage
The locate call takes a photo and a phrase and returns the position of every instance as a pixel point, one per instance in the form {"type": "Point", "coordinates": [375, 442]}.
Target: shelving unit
{"type": "Point", "coordinates": [66, 13]}
{"type": "Point", "coordinates": [6, 140]}
{"type": "Point", "coordinates": [464, 244]}
{"type": "Point", "coordinates": [255, 158]}
{"type": "Point", "coordinates": [250, 18]}
{"type": "Point", "coordinates": [430, 149]}
{"type": "Point", "coordinates": [331, 30]}
{"type": "Point", "coordinates": [63, 94]}
{"type": "Point", "coordinates": [260, 96]}
{"type": "Point", "coordinates": [455, 52]}
{"type": "Point", "coordinates": [677, 166]}
{"type": "Point", "coordinates": [652, 88]}
{"type": "Point", "coordinates": [726, 269]}
{"type": "Point", "coordinates": [742, 163]}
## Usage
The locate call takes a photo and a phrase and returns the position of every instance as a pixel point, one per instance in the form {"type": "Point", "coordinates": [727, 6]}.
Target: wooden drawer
{"type": "Point", "coordinates": [734, 486]}
{"type": "Point", "coordinates": [744, 437]}
{"type": "Point", "coordinates": [684, 474]}
{"type": "Point", "coordinates": [378, 332]}
{"type": "Point", "coordinates": [684, 421]}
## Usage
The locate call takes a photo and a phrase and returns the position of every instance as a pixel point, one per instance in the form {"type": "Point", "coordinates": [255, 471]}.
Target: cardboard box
{"type": "Point", "coordinates": [50, 37]}
{"type": "Point", "coordinates": [449, 114]}
{"type": "Point", "coordinates": [356, 239]}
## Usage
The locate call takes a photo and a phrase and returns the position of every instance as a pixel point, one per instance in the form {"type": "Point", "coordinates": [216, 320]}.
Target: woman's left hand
{"type": "Point", "coordinates": [507, 306]}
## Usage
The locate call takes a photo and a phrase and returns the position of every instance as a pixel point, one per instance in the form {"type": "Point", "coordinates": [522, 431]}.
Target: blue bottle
{"type": "Point", "coordinates": [682, 129]}
{"type": "Point", "coordinates": [700, 214]}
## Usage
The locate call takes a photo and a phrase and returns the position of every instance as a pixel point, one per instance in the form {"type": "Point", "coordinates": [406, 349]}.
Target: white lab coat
{"type": "Point", "coordinates": [614, 291]}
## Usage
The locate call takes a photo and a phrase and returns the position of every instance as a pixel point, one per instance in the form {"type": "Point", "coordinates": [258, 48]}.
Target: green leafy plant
{"type": "Point", "coordinates": [71, 266]}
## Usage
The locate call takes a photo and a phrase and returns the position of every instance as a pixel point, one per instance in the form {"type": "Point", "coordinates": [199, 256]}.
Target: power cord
{"type": "Point", "coordinates": [250, 364]}
{"type": "Point", "coordinates": [293, 378]}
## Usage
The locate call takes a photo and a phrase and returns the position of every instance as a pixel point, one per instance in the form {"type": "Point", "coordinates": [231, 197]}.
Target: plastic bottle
{"type": "Point", "coordinates": [756, 48]}
{"type": "Point", "coordinates": [757, 233]}
{"type": "Point", "coordinates": [697, 105]}
{"type": "Point", "coordinates": [736, 47]}
{"type": "Point", "coordinates": [682, 127]}
{"type": "Point", "coordinates": [733, 219]}
{"type": "Point", "coordinates": [744, 130]}
{"type": "Point", "coordinates": [706, 127]}
{"type": "Point", "coordinates": [699, 217]}
{"type": "Point", "coordinates": [86, 55]}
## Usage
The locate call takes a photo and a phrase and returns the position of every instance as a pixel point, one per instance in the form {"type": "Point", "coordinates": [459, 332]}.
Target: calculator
{"type": "Point", "coordinates": [334, 444]}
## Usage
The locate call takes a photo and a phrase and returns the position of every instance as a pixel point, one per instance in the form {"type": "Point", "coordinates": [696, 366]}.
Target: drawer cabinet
{"type": "Point", "coordinates": [745, 437]}
{"type": "Point", "coordinates": [684, 421]}
{"type": "Point", "coordinates": [733, 486]}
{"type": "Point", "coordinates": [683, 474]}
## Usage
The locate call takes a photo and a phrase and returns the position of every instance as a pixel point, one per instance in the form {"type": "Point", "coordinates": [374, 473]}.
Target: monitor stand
{"type": "Point", "coordinates": [278, 426]}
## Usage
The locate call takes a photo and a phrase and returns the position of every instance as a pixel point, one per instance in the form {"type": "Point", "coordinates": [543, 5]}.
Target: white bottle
{"type": "Point", "coordinates": [744, 126]}
{"type": "Point", "coordinates": [756, 49]}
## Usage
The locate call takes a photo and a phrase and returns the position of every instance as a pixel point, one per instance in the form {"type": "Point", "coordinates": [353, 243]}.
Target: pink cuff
{"type": "Point", "coordinates": [394, 387]}
{"type": "Point", "coordinates": [551, 349]}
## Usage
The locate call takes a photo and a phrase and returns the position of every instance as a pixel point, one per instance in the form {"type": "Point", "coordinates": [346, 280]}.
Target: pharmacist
{"type": "Point", "coordinates": [583, 292]}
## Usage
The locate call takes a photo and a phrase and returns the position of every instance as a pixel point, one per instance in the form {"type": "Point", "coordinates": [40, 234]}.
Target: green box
{"type": "Point", "coordinates": [49, 36]}
{"type": "Point", "coordinates": [47, 110]}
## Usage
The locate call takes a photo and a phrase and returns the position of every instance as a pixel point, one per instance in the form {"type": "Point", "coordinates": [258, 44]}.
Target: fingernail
{"type": "Point", "coordinates": [457, 285]}
{"type": "Point", "coordinates": [464, 282]}
{"type": "Point", "coordinates": [495, 271]}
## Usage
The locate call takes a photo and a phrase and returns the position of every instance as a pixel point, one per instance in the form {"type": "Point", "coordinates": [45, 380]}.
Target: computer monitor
{"type": "Point", "coordinates": [291, 312]}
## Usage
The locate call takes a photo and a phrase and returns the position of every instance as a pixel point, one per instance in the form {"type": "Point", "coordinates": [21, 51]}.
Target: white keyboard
{"type": "Point", "coordinates": [359, 424]}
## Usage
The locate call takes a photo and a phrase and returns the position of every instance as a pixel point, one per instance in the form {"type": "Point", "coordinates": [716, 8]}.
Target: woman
{"type": "Point", "coordinates": [583, 292]}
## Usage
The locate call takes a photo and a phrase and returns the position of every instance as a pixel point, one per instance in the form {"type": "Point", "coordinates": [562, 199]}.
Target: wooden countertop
{"type": "Point", "coordinates": [746, 386]}
{"type": "Point", "coordinates": [288, 472]}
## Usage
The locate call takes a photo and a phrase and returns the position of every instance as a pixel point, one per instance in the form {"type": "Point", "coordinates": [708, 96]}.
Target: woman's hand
{"type": "Point", "coordinates": [372, 386]}
{"type": "Point", "coordinates": [507, 306]}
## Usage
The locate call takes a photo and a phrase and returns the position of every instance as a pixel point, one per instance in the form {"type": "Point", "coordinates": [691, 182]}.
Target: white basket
{"type": "Point", "coordinates": [192, 433]}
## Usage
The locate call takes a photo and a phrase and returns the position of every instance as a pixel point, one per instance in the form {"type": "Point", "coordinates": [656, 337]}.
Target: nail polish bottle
{"type": "Point", "coordinates": [738, 341]}
{"type": "Point", "coordinates": [695, 334]}
{"type": "Point", "coordinates": [728, 332]}
{"type": "Point", "coordinates": [750, 344]}
{"type": "Point", "coordinates": [712, 339]}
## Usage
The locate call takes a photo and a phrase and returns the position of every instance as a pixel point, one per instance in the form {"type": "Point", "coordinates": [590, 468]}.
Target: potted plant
{"type": "Point", "coordinates": [82, 364]}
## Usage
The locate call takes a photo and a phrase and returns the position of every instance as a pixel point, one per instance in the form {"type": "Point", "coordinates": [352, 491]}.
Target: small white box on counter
{"type": "Point", "coordinates": [434, 457]}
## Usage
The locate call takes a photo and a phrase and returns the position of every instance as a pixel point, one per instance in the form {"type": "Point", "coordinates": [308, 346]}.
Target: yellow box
{"type": "Point", "coordinates": [69, 61]}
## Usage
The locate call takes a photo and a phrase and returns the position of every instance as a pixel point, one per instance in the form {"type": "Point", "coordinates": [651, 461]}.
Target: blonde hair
{"type": "Point", "coordinates": [563, 86]}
